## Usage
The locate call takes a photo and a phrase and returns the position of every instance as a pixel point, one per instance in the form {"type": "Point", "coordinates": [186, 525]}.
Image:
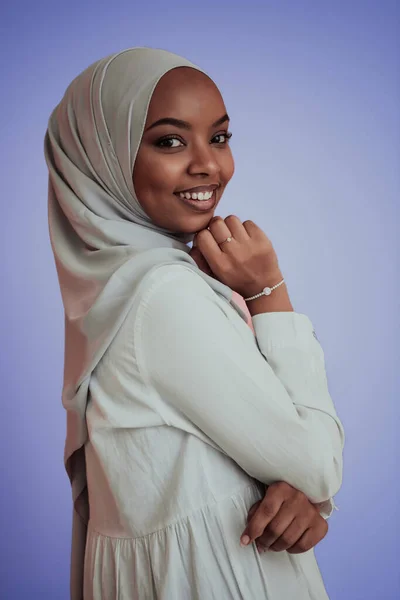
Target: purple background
{"type": "Point", "coordinates": [312, 89]}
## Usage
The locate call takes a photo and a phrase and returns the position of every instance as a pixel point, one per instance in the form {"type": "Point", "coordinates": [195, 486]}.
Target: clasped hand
{"type": "Point", "coordinates": [245, 264]}
{"type": "Point", "coordinates": [284, 519]}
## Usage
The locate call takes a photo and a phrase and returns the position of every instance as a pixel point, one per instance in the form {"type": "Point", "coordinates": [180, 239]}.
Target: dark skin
{"type": "Point", "coordinates": [200, 155]}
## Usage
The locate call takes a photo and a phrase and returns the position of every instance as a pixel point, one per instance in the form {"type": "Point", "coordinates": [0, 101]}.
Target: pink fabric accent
{"type": "Point", "coordinates": [242, 304]}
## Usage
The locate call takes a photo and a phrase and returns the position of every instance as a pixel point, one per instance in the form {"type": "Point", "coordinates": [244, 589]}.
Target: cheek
{"type": "Point", "coordinates": [228, 167]}
{"type": "Point", "coordinates": [157, 172]}
{"type": "Point", "coordinates": [168, 172]}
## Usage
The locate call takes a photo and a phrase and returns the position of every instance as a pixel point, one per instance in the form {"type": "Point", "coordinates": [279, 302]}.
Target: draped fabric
{"type": "Point", "coordinates": [103, 242]}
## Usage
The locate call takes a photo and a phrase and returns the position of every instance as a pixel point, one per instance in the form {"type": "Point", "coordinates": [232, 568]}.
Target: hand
{"type": "Point", "coordinates": [201, 261]}
{"type": "Point", "coordinates": [246, 264]}
{"type": "Point", "coordinates": [285, 520]}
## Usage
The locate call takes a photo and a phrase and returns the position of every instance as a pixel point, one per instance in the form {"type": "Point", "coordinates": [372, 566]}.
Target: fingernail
{"type": "Point", "coordinates": [244, 540]}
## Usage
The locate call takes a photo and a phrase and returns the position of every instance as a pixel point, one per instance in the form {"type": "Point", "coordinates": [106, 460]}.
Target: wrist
{"type": "Point", "coordinates": [277, 301]}
{"type": "Point", "coordinates": [270, 280]}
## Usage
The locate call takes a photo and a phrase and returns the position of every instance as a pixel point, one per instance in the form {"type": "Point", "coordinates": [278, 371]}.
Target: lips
{"type": "Point", "coordinates": [200, 188]}
{"type": "Point", "coordinates": [199, 205]}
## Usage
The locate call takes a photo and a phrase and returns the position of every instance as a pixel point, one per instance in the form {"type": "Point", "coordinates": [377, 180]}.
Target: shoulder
{"type": "Point", "coordinates": [176, 296]}
{"type": "Point", "coordinates": [174, 280]}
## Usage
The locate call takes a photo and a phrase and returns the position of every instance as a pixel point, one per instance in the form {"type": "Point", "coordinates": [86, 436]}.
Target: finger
{"type": "Point", "coordinates": [294, 517]}
{"type": "Point", "coordinates": [290, 535]}
{"type": "Point", "coordinates": [219, 229]}
{"type": "Point", "coordinates": [303, 544]}
{"type": "Point", "coordinates": [278, 525]}
{"type": "Point", "coordinates": [310, 538]}
{"type": "Point", "coordinates": [253, 510]}
{"type": "Point", "coordinates": [217, 260]}
{"type": "Point", "coordinates": [252, 229]}
{"type": "Point", "coordinates": [267, 510]}
{"type": "Point", "coordinates": [200, 261]}
{"type": "Point", "coordinates": [237, 229]}
{"type": "Point", "coordinates": [220, 232]}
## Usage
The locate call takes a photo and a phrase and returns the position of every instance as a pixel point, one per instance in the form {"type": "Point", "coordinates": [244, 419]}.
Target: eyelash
{"type": "Point", "coordinates": [227, 135]}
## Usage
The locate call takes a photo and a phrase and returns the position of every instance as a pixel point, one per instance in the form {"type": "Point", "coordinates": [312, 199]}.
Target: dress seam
{"type": "Point", "coordinates": [182, 520]}
{"type": "Point", "coordinates": [137, 337]}
{"type": "Point", "coordinates": [138, 323]}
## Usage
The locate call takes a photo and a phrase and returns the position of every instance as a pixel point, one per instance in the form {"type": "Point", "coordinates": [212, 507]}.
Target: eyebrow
{"type": "Point", "coordinates": [184, 124]}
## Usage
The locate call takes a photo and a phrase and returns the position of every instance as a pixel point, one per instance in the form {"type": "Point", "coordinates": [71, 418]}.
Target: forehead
{"type": "Point", "coordinates": [185, 93]}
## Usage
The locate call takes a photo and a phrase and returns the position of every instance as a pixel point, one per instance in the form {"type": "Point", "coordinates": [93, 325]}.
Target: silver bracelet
{"type": "Point", "coordinates": [266, 291]}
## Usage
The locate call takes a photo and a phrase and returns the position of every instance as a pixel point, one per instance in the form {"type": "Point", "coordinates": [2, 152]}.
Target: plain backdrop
{"type": "Point", "coordinates": [312, 89]}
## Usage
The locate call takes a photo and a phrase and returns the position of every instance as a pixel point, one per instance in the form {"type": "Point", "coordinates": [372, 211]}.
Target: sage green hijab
{"type": "Point", "coordinates": [103, 242]}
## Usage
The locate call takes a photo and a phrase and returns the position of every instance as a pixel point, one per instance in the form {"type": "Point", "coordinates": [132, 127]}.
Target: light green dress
{"type": "Point", "coordinates": [190, 415]}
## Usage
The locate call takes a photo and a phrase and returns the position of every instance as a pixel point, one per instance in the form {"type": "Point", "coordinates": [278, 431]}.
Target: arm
{"type": "Point", "coordinates": [196, 360]}
{"type": "Point", "coordinates": [278, 303]}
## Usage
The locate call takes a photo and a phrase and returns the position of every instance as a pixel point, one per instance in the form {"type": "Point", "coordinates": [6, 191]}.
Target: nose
{"type": "Point", "coordinates": [203, 161]}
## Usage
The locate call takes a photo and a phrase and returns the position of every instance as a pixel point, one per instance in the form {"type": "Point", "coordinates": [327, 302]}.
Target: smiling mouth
{"type": "Point", "coordinates": [200, 189]}
{"type": "Point", "coordinates": [205, 202]}
{"type": "Point", "coordinates": [202, 196]}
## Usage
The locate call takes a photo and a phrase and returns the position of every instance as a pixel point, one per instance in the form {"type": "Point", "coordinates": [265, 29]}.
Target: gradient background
{"type": "Point", "coordinates": [312, 89]}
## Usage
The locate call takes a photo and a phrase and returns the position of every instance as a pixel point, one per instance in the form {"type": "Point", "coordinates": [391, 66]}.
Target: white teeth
{"type": "Point", "coordinates": [194, 196]}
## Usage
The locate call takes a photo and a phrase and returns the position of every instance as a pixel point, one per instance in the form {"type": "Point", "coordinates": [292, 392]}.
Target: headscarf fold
{"type": "Point", "coordinates": [103, 242]}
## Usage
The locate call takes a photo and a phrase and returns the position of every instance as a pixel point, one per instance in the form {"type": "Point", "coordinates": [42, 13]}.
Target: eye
{"type": "Point", "coordinates": [163, 142]}
{"type": "Point", "coordinates": [226, 134]}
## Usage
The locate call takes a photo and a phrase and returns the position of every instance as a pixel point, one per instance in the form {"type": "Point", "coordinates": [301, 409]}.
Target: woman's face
{"type": "Point", "coordinates": [194, 154]}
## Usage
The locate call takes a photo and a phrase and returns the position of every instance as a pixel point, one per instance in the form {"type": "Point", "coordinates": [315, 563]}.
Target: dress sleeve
{"type": "Point", "coordinates": [266, 404]}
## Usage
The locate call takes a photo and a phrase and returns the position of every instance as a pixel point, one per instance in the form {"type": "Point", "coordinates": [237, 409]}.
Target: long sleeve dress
{"type": "Point", "coordinates": [190, 415]}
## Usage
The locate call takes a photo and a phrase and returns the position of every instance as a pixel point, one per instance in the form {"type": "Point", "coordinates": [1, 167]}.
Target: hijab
{"type": "Point", "coordinates": [104, 243]}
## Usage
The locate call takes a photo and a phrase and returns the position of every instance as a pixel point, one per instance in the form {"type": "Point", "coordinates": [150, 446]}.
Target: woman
{"type": "Point", "coordinates": [177, 415]}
